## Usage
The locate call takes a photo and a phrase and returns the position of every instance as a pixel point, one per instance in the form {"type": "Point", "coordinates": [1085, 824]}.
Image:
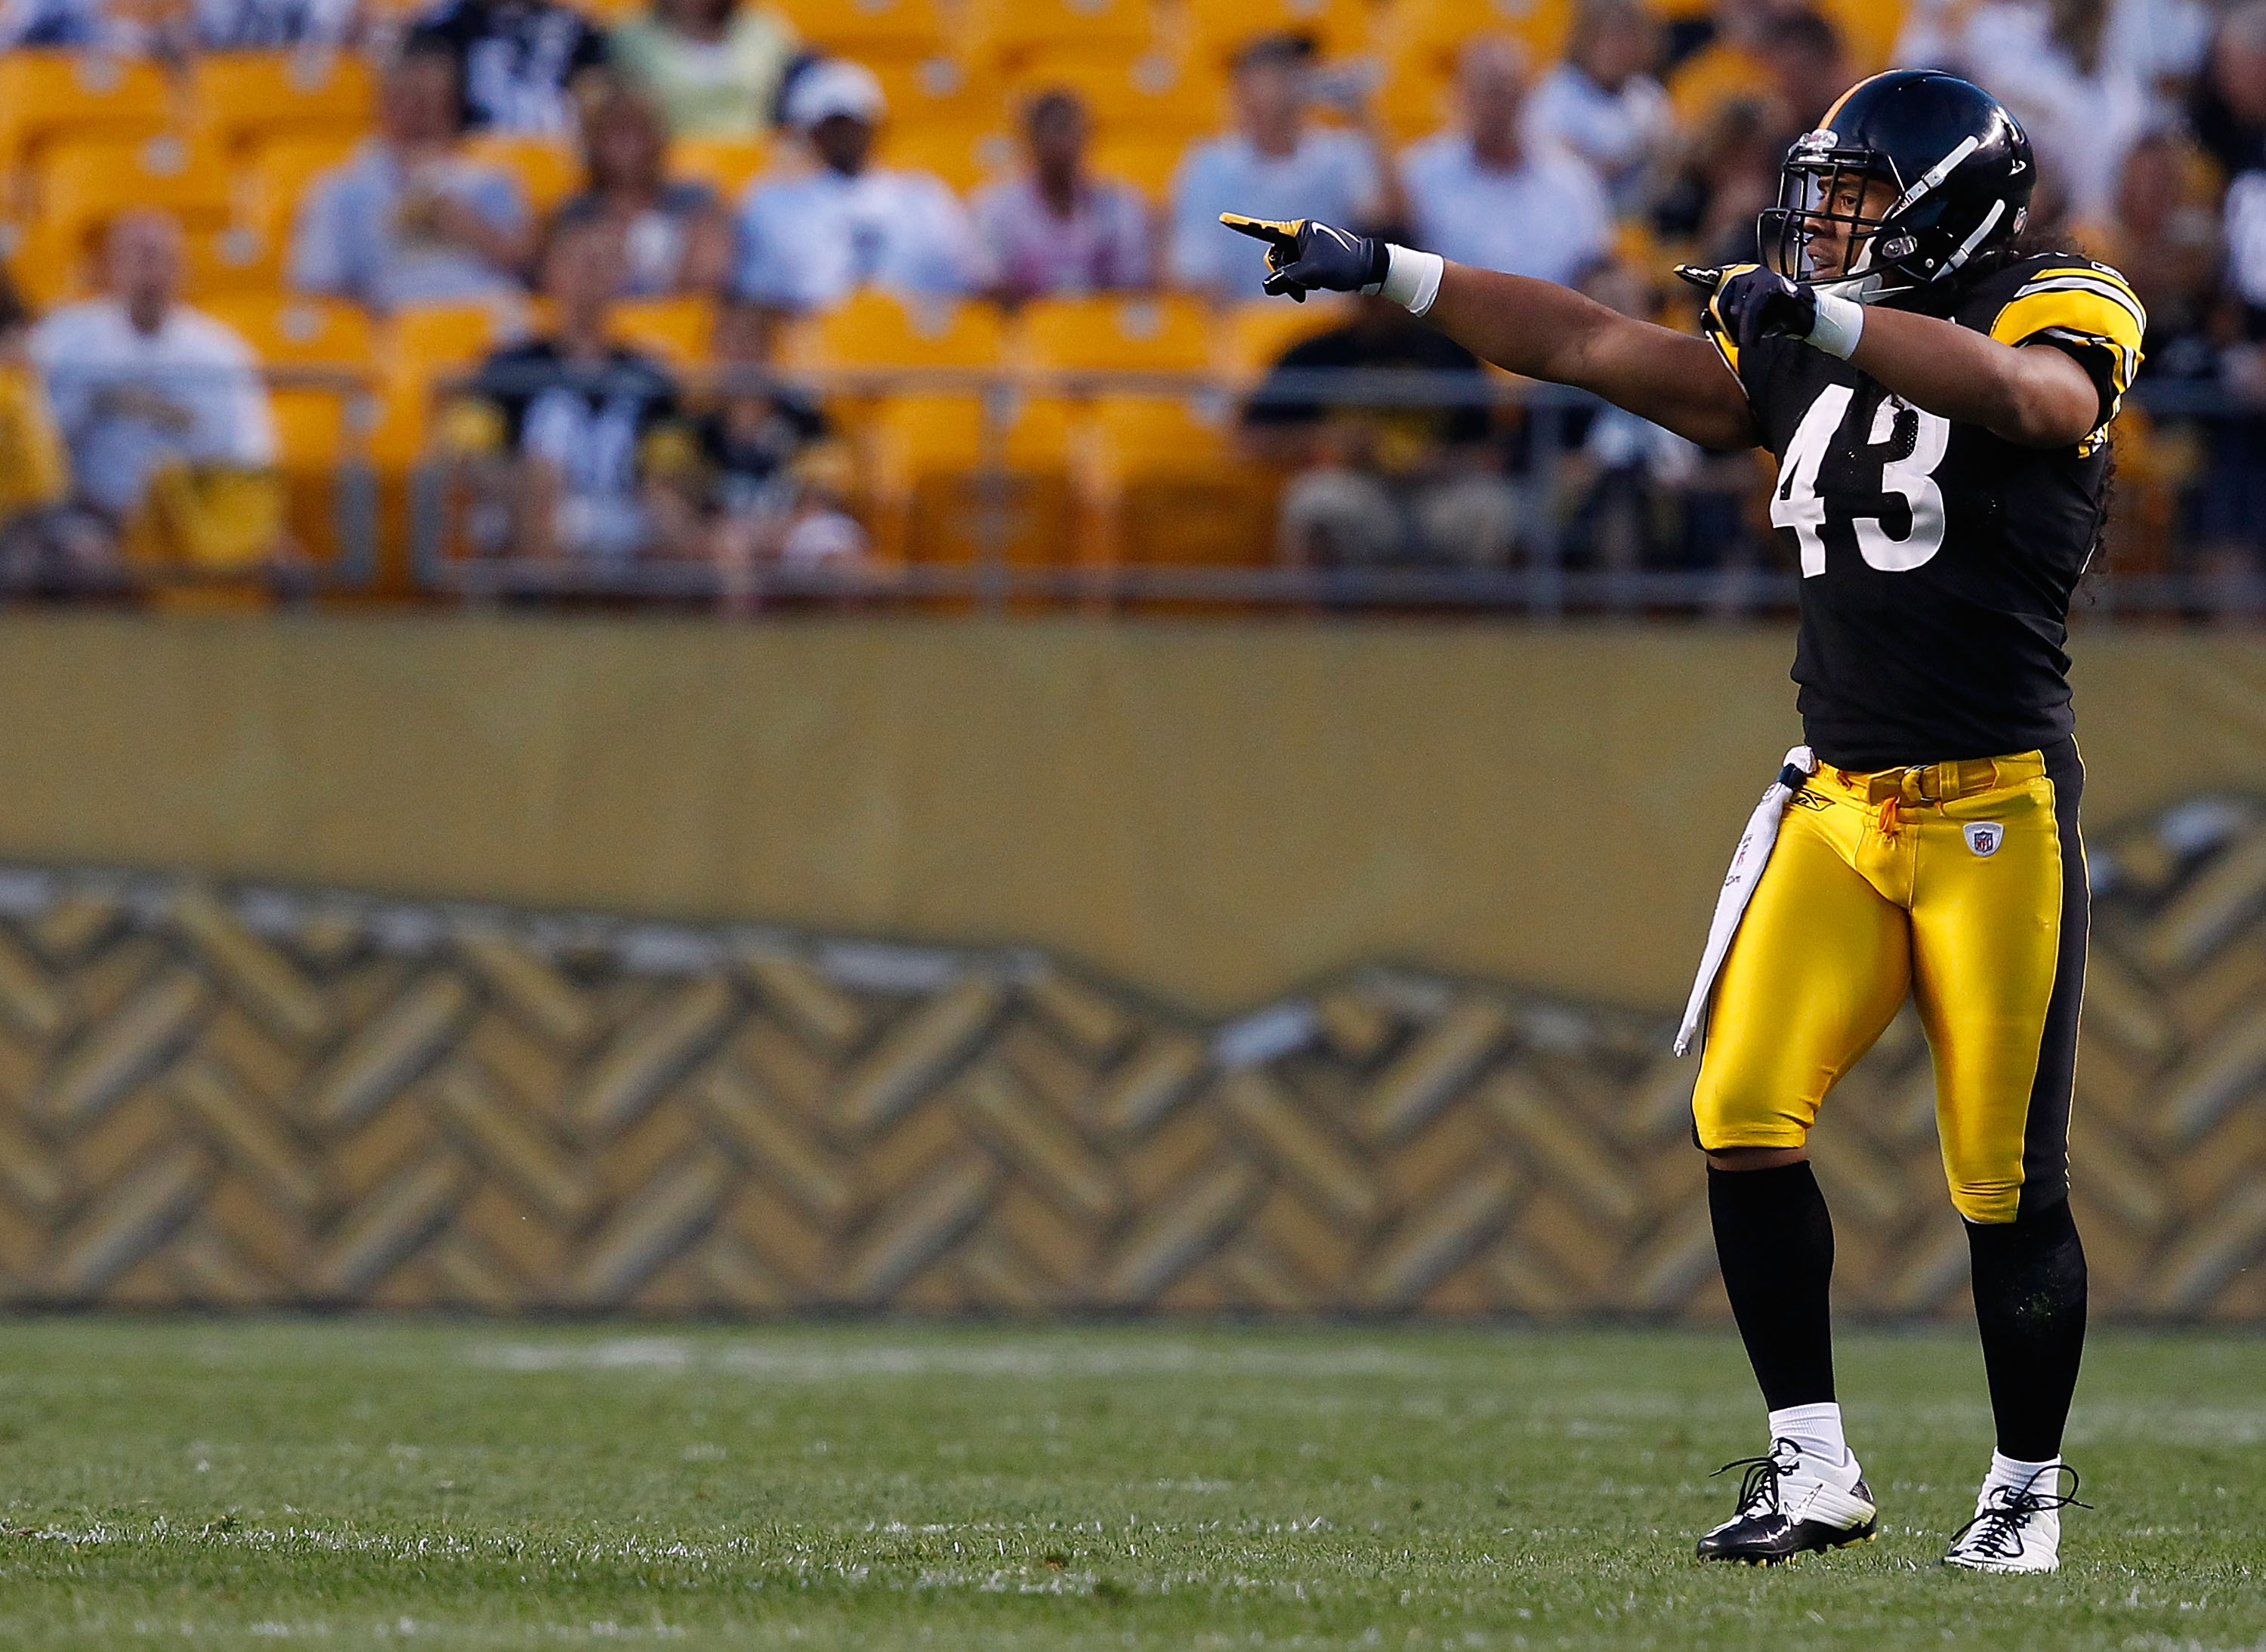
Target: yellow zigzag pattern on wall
{"type": "Point", "coordinates": [255, 1097]}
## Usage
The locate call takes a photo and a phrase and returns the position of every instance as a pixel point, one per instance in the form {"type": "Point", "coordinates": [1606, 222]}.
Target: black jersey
{"type": "Point", "coordinates": [1938, 560]}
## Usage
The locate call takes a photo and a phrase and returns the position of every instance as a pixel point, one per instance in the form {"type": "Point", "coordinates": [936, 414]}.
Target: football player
{"type": "Point", "coordinates": [1938, 401]}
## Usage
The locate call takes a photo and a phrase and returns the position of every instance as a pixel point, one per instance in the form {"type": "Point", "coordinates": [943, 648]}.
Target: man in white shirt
{"type": "Point", "coordinates": [1601, 105]}
{"type": "Point", "coordinates": [809, 239]}
{"type": "Point", "coordinates": [142, 384]}
{"type": "Point", "coordinates": [1276, 164]}
{"type": "Point", "coordinates": [1480, 195]}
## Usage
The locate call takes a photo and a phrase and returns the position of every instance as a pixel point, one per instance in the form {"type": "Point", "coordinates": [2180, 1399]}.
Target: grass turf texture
{"type": "Point", "coordinates": [367, 1483]}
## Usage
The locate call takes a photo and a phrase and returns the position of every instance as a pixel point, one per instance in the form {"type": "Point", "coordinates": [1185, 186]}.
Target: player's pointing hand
{"type": "Point", "coordinates": [1305, 254]}
{"type": "Point", "coordinates": [1756, 303]}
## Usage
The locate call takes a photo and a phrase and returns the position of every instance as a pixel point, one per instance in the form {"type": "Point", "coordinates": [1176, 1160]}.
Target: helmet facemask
{"type": "Point", "coordinates": [1824, 191]}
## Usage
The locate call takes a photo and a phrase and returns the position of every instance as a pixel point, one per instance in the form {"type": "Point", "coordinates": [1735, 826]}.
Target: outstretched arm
{"type": "Point", "coordinates": [1544, 330]}
{"type": "Point", "coordinates": [2035, 396]}
{"type": "Point", "coordinates": [1531, 327]}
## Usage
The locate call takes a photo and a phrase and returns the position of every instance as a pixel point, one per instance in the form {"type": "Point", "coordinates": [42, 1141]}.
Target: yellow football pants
{"type": "Point", "coordinates": [1960, 884]}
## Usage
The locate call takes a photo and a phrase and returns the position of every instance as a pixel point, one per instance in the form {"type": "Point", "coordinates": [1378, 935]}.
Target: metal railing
{"type": "Point", "coordinates": [2162, 565]}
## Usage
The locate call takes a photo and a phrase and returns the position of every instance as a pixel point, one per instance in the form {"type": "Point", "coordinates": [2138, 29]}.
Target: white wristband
{"type": "Point", "coordinates": [1840, 324]}
{"type": "Point", "coordinates": [1411, 280]}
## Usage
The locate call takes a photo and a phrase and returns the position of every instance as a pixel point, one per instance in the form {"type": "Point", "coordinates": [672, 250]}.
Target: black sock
{"type": "Point", "coordinates": [2030, 1304]}
{"type": "Point", "coordinates": [1774, 1240]}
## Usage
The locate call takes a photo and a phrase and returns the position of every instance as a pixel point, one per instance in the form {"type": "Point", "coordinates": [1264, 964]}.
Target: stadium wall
{"type": "Point", "coordinates": [1010, 968]}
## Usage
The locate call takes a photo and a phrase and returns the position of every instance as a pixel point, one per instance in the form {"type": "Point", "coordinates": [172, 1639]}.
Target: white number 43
{"type": "Point", "coordinates": [1795, 502]}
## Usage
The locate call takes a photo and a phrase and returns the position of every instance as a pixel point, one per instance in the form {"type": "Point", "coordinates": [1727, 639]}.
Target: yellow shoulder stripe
{"type": "Point", "coordinates": [2084, 309]}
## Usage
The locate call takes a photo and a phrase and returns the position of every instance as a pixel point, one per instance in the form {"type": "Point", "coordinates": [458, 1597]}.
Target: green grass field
{"type": "Point", "coordinates": [364, 1482]}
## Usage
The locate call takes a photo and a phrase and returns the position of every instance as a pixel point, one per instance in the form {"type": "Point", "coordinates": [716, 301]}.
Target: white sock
{"type": "Point", "coordinates": [2042, 1478]}
{"type": "Point", "coordinates": [1816, 1429]}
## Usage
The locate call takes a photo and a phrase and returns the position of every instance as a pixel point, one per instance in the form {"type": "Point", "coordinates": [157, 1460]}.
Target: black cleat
{"type": "Point", "coordinates": [1789, 1509]}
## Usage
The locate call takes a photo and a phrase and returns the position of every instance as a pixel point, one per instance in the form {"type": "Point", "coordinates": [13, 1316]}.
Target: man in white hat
{"type": "Point", "coordinates": [810, 239]}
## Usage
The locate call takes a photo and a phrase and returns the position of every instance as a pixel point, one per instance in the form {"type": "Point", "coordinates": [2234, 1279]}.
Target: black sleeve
{"type": "Point", "coordinates": [590, 50]}
{"type": "Point", "coordinates": [1272, 405]}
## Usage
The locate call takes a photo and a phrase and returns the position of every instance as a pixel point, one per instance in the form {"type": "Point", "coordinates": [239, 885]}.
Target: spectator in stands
{"type": "Point", "coordinates": [162, 411]}
{"type": "Point", "coordinates": [778, 485]}
{"type": "Point", "coordinates": [262, 26]}
{"type": "Point", "coordinates": [2227, 108]}
{"type": "Point", "coordinates": [1276, 163]}
{"type": "Point", "coordinates": [1730, 172]}
{"type": "Point", "coordinates": [1601, 105]}
{"type": "Point", "coordinates": [50, 24]}
{"type": "Point", "coordinates": [576, 436]}
{"type": "Point", "coordinates": [1717, 57]}
{"type": "Point", "coordinates": [1416, 482]}
{"type": "Point", "coordinates": [2047, 62]}
{"type": "Point", "coordinates": [713, 68]}
{"type": "Point", "coordinates": [409, 220]}
{"type": "Point", "coordinates": [673, 234]}
{"type": "Point", "coordinates": [2163, 234]}
{"type": "Point", "coordinates": [1624, 485]}
{"type": "Point", "coordinates": [44, 544]}
{"type": "Point", "coordinates": [809, 238]}
{"type": "Point", "coordinates": [1481, 194]}
{"type": "Point", "coordinates": [1809, 70]}
{"type": "Point", "coordinates": [1056, 228]}
{"type": "Point", "coordinates": [520, 63]}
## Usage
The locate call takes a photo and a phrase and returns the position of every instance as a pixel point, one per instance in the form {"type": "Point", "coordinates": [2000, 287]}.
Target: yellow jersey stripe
{"type": "Point", "coordinates": [2079, 313]}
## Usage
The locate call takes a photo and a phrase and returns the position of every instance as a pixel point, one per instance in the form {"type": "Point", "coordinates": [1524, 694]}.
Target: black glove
{"type": "Point", "coordinates": [1305, 254]}
{"type": "Point", "coordinates": [1755, 303]}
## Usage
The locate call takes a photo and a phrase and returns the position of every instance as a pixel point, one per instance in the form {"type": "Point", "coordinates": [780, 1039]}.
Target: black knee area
{"type": "Point", "coordinates": [2029, 1306]}
{"type": "Point", "coordinates": [1774, 1240]}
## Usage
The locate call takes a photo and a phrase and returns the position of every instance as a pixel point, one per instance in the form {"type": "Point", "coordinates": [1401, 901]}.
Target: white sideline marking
{"type": "Point", "coordinates": [1026, 1360]}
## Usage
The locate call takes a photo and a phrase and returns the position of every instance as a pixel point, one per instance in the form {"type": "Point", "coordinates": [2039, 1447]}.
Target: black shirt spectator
{"type": "Point", "coordinates": [515, 59]}
{"type": "Point", "coordinates": [1378, 340]}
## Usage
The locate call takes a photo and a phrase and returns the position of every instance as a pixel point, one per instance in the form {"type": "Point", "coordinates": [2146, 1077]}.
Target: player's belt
{"type": "Point", "coordinates": [1892, 790]}
{"type": "Point", "coordinates": [1928, 782]}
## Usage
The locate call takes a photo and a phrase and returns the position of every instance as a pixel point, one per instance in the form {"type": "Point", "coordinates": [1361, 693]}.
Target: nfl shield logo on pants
{"type": "Point", "coordinates": [1984, 836]}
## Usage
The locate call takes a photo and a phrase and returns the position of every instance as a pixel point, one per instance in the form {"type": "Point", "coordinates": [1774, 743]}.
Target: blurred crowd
{"type": "Point", "coordinates": [134, 424]}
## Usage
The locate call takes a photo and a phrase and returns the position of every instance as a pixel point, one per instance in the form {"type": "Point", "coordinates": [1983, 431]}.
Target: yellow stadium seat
{"type": "Point", "coordinates": [1118, 335]}
{"type": "Point", "coordinates": [727, 165]}
{"type": "Point", "coordinates": [46, 95]}
{"type": "Point", "coordinates": [548, 171]}
{"type": "Point", "coordinates": [276, 177]}
{"type": "Point", "coordinates": [948, 488]}
{"type": "Point", "coordinates": [965, 156]}
{"type": "Point", "coordinates": [240, 98]}
{"type": "Point", "coordinates": [1151, 95]}
{"type": "Point", "coordinates": [677, 330]}
{"type": "Point", "coordinates": [1438, 28]}
{"type": "Point", "coordinates": [872, 29]}
{"type": "Point", "coordinates": [80, 184]}
{"type": "Point", "coordinates": [1868, 31]}
{"type": "Point", "coordinates": [1254, 335]}
{"type": "Point", "coordinates": [875, 329]}
{"type": "Point", "coordinates": [1009, 32]}
{"type": "Point", "coordinates": [941, 92]}
{"type": "Point", "coordinates": [423, 347]}
{"type": "Point", "coordinates": [1215, 28]}
{"type": "Point", "coordinates": [289, 331]}
{"type": "Point", "coordinates": [1418, 97]}
{"type": "Point", "coordinates": [1148, 164]}
{"type": "Point", "coordinates": [1169, 488]}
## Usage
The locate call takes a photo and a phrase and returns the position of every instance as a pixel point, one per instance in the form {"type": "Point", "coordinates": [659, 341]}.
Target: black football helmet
{"type": "Point", "coordinates": [1957, 165]}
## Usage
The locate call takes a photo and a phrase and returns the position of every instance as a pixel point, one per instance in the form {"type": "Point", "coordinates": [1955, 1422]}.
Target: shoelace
{"type": "Point", "coordinates": [2001, 1522]}
{"type": "Point", "coordinates": [1758, 1490]}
